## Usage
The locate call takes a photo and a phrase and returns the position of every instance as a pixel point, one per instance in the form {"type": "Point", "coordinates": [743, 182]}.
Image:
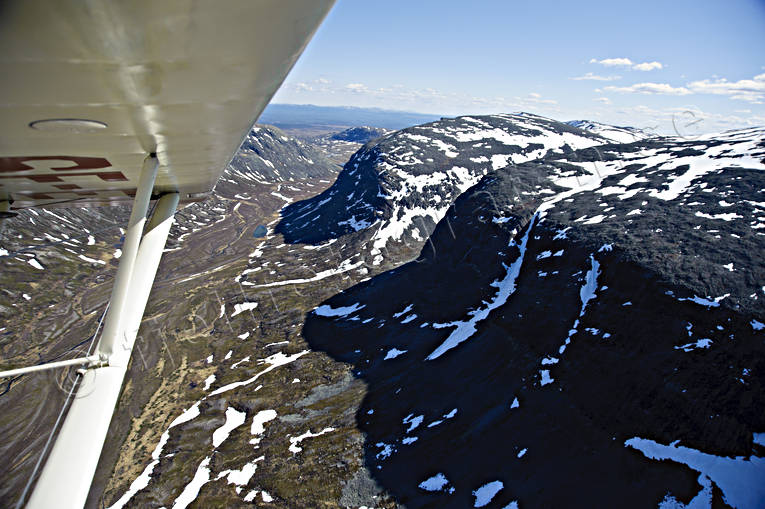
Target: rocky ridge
{"type": "Point", "coordinates": [397, 188]}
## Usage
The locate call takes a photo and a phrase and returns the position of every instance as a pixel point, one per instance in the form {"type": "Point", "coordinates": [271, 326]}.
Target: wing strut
{"type": "Point", "coordinates": [65, 480]}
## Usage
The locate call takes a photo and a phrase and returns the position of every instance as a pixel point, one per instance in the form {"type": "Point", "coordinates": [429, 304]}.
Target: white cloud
{"type": "Point", "coordinates": [626, 62]}
{"type": "Point", "coordinates": [534, 98]}
{"type": "Point", "coordinates": [356, 87]}
{"type": "Point", "coordinates": [647, 66]}
{"type": "Point", "coordinates": [320, 85]}
{"type": "Point", "coordinates": [651, 88]}
{"type": "Point", "coordinates": [595, 77]}
{"type": "Point", "coordinates": [688, 119]}
{"type": "Point", "coordinates": [612, 62]}
{"type": "Point", "coordinates": [604, 100]}
{"type": "Point", "coordinates": [751, 90]}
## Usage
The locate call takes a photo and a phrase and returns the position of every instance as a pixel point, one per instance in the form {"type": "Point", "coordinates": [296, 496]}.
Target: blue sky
{"type": "Point", "coordinates": [633, 63]}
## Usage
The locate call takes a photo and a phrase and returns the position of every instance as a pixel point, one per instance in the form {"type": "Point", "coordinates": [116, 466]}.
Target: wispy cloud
{"type": "Point", "coordinates": [604, 100]}
{"type": "Point", "coordinates": [750, 90]}
{"type": "Point", "coordinates": [626, 62]}
{"type": "Point", "coordinates": [535, 98]}
{"type": "Point", "coordinates": [670, 119]}
{"type": "Point", "coordinates": [647, 66]}
{"type": "Point", "coordinates": [651, 88]}
{"type": "Point", "coordinates": [612, 62]}
{"type": "Point", "coordinates": [595, 77]}
{"type": "Point", "coordinates": [357, 87]}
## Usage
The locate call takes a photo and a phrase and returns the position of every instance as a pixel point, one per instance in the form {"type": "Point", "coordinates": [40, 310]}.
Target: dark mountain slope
{"type": "Point", "coordinates": [550, 340]}
{"type": "Point", "coordinates": [362, 134]}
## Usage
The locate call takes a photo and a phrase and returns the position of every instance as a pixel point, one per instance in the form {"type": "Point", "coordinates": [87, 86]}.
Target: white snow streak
{"type": "Point", "coordinates": [465, 329]}
{"type": "Point", "coordinates": [234, 419]}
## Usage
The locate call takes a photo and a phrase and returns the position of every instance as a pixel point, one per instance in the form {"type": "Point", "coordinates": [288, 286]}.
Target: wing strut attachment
{"type": "Point", "coordinates": [65, 480]}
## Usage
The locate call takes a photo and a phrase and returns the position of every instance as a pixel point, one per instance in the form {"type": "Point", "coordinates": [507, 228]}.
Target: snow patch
{"type": "Point", "coordinates": [435, 483]}
{"type": "Point", "coordinates": [244, 306]}
{"type": "Point", "coordinates": [234, 419]}
{"type": "Point", "coordinates": [486, 493]}
{"type": "Point", "coordinates": [294, 441]}
{"type": "Point", "coordinates": [393, 353]}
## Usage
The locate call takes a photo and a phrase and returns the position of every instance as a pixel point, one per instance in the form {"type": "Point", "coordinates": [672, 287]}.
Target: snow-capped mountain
{"type": "Point", "coordinates": [400, 186]}
{"type": "Point", "coordinates": [572, 322]}
{"type": "Point", "coordinates": [574, 308]}
{"type": "Point", "coordinates": [269, 155]}
{"type": "Point", "coordinates": [611, 132]}
{"type": "Point", "coordinates": [361, 134]}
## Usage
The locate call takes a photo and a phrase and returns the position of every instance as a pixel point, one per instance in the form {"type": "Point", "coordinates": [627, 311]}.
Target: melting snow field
{"type": "Point", "coordinates": [294, 441]}
{"type": "Point", "coordinates": [740, 479]}
{"type": "Point", "coordinates": [191, 491]}
{"type": "Point", "coordinates": [234, 419]}
{"type": "Point", "coordinates": [435, 483]}
{"type": "Point", "coordinates": [345, 266]}
{"type": "Point", "coordinates": [393, 353]}
{"type": "Point", "coordinates": [329, 311]}
{"type": "Point", "coordinates": [244, 306]}
{"type": "Point", "coordinates": [275, 361]}
{"type": "Point", "coordinates": [486, 493]}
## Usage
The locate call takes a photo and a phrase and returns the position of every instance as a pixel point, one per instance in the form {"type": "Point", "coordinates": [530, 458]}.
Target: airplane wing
{"type": "Point", "coordinates": [90, 87]}
{"type": "Point", "coordinates": [108, 102]}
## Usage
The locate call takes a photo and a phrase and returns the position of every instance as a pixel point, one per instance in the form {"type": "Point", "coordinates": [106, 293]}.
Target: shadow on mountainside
{"type": "Point", "coordinates": [544, 390]}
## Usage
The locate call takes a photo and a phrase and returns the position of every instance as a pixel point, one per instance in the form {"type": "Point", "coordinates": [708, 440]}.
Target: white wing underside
{"type": "Point", "coordinates": [182, 79]}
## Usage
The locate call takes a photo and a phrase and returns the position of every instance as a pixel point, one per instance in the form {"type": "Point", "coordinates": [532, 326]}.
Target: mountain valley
{"type": "Point", "coordinates": [487, 311]}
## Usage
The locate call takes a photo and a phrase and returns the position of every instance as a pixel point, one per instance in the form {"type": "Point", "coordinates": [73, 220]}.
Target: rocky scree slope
{"type": "Point", "coordinates": [269, 155]}
{"type": "Point", "coordinates": [396, 188]}
{"type": "Point", "coordinates": [587, 328]}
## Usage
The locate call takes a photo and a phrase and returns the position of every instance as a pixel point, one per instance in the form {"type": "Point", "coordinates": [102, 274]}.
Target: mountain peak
{"type": "Point", "coordinates": [611, 132]}
{"type": "Point", "coordinates": [398, 187]}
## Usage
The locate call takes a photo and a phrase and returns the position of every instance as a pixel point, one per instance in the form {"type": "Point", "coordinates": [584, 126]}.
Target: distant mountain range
{"type": "Point", "coordinates": [304, 115]}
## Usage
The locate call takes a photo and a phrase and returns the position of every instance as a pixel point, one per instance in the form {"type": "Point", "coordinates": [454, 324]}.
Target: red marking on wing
{"type": "Point", "coordinates": [109, 176]}
{"type": "Point", "coordinates": [17, 164]}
